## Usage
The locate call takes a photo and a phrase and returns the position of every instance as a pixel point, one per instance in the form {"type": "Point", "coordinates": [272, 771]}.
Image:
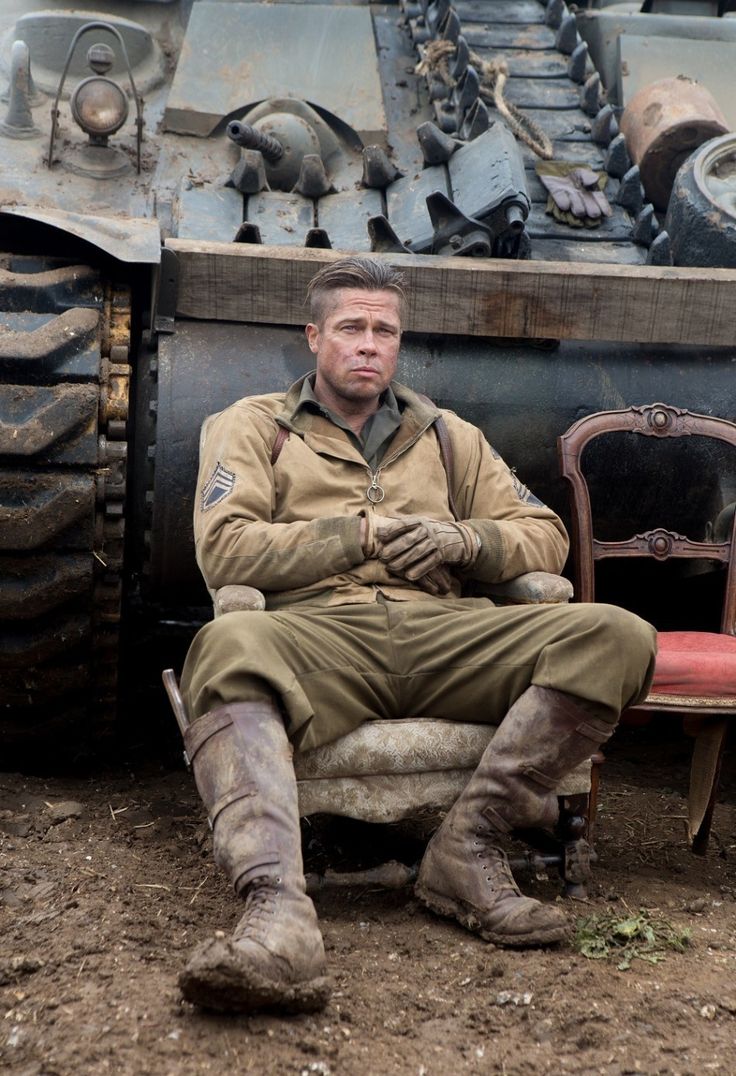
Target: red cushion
{"type": "Point", "coordinates": [695, 663]}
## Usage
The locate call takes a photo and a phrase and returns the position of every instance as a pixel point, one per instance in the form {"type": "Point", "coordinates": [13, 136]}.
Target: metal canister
{"type": "Point", "coordinates": [663, 123]}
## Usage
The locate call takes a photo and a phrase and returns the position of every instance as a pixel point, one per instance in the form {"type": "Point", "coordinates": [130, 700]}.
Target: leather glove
{"type": "Point", "coordinates": [418, 545]}
{"type": "Point", "coordinates": [575, 192]}
{"type": "Point", "coordinates": [435, 582]}
{"type": "Point", "coordinates": [378, 528]}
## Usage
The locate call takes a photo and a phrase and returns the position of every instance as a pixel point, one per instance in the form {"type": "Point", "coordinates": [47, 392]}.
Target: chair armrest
{"type": "Point", "coordinates": [532, 588]}
{"type": "Point", "coordinates": [235, 598]}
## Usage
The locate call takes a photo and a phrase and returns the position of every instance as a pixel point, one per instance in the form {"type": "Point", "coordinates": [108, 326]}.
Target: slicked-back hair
{"type": "Point", "coordinates": [353, 272]}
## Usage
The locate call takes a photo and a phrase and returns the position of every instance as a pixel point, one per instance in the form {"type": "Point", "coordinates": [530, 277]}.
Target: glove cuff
{"type": "Point", "coordinates": [472, 544]}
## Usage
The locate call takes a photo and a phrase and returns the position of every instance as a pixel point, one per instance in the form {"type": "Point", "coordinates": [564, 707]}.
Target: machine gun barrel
{"type": "Point", "coordinates": [242, 134]}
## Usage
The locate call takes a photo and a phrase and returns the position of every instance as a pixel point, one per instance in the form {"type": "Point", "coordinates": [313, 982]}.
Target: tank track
{"type": "Point", "coordinates": [64, 385]}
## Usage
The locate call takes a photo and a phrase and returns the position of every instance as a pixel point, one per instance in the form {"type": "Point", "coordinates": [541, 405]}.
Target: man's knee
{"type": "Point", "coordinates": [624, 644]}
{"type": "Point", "coordinates": [634, 637]}
{"type": "Point", "coordinates": [235, 635]}
{"type": "Point", "coordinates": [228, 662]}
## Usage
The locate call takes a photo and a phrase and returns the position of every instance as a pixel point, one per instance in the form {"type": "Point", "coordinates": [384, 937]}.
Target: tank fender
{"type": "Point", "coordinates": [129, 239]}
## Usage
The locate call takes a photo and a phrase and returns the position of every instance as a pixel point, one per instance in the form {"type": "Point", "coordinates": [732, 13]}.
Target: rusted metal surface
{"type": "Point", "coordinates": [663, 123]}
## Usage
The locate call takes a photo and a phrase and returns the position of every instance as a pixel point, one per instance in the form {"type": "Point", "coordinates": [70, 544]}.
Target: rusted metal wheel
{"type": "Point", "coordinates": [64, 380]}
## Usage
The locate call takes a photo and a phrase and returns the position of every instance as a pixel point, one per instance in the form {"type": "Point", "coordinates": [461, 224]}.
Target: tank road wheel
{"type": "Point", "coordinates": [64, 380]}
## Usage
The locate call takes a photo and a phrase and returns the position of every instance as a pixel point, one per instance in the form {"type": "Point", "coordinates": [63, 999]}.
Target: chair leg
{"type": "Point", "coordinates": [575, 829]}
{"type": "Point", "coordinates": [704, 773]}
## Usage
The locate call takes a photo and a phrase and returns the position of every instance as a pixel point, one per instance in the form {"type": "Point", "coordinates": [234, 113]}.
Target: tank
{"type": "Point", "coordinates": [136, 136]}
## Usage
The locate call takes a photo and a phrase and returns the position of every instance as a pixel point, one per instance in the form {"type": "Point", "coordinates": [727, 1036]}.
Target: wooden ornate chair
{"type": "Point", "coordinates": [696, 670]}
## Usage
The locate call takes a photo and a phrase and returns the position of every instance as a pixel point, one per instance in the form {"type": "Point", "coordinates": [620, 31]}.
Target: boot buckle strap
{"type": "Point", "coordinates": [242, 792]}
{"type": "Point", "coordinates": [538, 777]}
{"type": "Point", "coordinates": [257, 867]}
{"type": "Point", "coordinates": [593, 732]}
{"type": "Point", "coordinates": [498, 823]}
{"type": "Point", "coordinates": [203, 729]}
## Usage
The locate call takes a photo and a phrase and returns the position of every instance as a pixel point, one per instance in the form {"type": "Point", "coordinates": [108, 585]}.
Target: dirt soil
{"type": "Point", "coordinates": [107, 883]}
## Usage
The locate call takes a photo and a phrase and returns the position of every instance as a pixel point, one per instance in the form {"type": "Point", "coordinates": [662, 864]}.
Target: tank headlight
{"type": "Point", "coordinates": [99, 106]}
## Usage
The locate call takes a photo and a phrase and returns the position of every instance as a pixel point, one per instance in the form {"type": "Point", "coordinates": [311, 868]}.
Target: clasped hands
{"type": "Point", "coordinates": [418, 549]}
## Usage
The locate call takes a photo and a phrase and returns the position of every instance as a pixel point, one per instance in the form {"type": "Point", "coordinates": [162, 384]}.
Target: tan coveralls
{"type": "Point", "coordinates": [343, 640]}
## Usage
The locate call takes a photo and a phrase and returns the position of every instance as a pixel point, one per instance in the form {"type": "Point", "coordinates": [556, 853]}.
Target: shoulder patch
{"type": "Point", "coordinates": [218, 486]}
{"type": "Point", "coordinates": [524, 493]}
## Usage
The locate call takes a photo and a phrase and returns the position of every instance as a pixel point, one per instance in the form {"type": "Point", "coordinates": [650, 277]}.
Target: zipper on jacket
{"type": "Point", "coordinates": [375, 492]}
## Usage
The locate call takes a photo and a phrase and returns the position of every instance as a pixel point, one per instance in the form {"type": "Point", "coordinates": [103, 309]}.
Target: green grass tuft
{"type": "Point", "coordinates": [643, 937]}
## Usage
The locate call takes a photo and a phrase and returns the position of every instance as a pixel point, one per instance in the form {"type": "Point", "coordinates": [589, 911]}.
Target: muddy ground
{"type": "Point", "coordinates": [107, 882]}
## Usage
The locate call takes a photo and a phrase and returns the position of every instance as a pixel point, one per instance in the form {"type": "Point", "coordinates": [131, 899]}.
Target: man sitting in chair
{"type": "Point", "coordinates": [338, 500]}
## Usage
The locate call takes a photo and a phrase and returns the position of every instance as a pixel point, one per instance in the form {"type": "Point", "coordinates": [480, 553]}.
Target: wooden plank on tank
{"type": "Point", "coordinates": [476, 297]}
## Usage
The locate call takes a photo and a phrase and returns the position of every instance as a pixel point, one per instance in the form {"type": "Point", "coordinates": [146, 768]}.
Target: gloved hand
{"type": "Point", "coordinates": [576, 192]}
{"type": "Point", "coordinates": [415, 546]}
{"type": "Point", "coordinates": [376, 529]}
{"type": "Point", "coordinates": [435, 582]}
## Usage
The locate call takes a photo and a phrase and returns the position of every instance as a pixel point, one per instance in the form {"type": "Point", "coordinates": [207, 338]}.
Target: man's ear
{"type": "Point", "coordinates": [312, 334]}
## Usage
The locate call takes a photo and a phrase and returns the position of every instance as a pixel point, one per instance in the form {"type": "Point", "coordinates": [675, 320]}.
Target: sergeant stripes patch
{"type": "Point", "coordinates": [218, 486]}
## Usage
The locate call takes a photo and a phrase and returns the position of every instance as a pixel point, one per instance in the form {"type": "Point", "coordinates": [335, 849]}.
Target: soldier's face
{"type": "Point", "coordinates": [357, 348]}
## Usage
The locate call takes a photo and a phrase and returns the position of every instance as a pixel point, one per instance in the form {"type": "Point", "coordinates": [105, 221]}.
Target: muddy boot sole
{"type": "Point", "coordinates": [468, 917]}
{"type": "Point", "coordinates": [217, 977]}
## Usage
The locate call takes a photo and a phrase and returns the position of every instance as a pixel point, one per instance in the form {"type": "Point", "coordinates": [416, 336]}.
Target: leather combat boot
{"type": "Point", "coordinates": [275, 957]}
{"type": "Point", "coordinates": [463, 874]}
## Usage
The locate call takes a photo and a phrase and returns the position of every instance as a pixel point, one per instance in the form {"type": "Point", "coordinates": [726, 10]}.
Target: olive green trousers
{"type": "Point", "coordinates": [332, 668]}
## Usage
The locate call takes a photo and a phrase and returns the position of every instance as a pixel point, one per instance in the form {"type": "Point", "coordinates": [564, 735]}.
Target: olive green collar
{"type": "Point", "coordinates": [418, 408]}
